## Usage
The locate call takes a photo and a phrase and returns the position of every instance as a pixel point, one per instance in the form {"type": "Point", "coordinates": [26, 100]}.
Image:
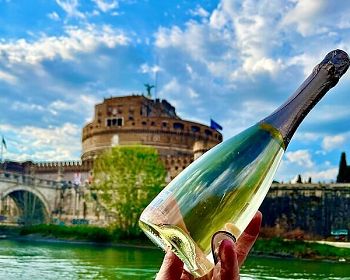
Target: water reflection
{"type": "Point", "coordinates": [24, 260]}
{"type": "Point", "coordinates": [273, 268]}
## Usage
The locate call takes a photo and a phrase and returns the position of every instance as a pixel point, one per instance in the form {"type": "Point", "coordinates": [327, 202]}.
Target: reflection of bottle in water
{"type": "Point", "coordinates": [223, 189]}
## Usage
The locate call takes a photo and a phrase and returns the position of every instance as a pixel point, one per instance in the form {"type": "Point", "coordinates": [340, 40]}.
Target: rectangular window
{"type": "Point", "coordinates": [115, 122]}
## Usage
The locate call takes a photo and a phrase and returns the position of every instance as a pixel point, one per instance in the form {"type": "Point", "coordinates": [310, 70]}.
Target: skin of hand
{"type": "Point", "coordinates": [231, 257]}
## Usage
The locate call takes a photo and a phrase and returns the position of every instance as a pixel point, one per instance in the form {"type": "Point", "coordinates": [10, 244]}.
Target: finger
{"type": "Point", "coordinates": [186, 276]}
{"type": "Point", "coordinates": [228, 263]}
{"type": "Point", "coordinates": [171, 268]}
{"type": "Point", "coordinates": [246, 241]}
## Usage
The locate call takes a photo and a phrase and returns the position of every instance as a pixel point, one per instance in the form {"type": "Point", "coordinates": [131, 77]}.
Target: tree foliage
{"type": "Point", "coordinates": [299, 180]}
{"type": "Point", "coordinates": [126, 179]}
{"type": "Point", "coordinates": [344, 172]}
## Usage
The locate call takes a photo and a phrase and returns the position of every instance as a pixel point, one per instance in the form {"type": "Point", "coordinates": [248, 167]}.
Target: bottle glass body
{"type": "Point", "coordinates": [220, 191]}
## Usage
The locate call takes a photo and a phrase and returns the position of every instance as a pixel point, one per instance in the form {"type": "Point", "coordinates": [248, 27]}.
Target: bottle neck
{"type": "Point", "coordinates": [325, 75]}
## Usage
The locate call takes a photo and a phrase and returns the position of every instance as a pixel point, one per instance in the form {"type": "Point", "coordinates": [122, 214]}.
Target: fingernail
{"type": "Point", "coordinates": [226, 250]}
{"type": "Point", "coordinates": [225, 245]}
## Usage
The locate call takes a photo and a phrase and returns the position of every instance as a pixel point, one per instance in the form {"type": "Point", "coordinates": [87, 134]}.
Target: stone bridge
{"type": "Point", "coordinates": [36, 199]}
{"type": "Point", "coordinates": [25, 199]}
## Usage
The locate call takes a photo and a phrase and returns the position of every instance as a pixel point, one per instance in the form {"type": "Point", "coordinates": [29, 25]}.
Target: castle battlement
{"type": "Point", "coordinates": [58, 163]}
{"type": "Point", "coordinates": [60, 166]}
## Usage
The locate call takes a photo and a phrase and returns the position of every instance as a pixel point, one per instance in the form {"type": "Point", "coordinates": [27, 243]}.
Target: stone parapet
{"type": "Point", "coordinates": [317, 209]}
{"type": "Point", "coordinates": [54, 166]}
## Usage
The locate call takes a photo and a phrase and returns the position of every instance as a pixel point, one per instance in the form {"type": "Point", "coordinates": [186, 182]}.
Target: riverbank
{"type": "Point", "coordinates": [274, 247]}
{"type": "Point", "coordinates": [299, 249]}
{"type": "Point", "coordinates": [73, 234]}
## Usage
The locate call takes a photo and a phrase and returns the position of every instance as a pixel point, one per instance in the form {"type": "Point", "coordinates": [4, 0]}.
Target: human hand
{"type": "Point", "coordinates": [231, 257]}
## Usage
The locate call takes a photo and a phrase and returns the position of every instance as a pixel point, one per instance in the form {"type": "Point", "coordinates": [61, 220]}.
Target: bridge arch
{"type": "Point", "coordinates": [39, 205]}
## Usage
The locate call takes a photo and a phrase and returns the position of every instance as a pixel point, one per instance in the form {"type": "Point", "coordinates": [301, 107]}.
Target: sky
{"type": "Point", "coordinates": [233, 61]}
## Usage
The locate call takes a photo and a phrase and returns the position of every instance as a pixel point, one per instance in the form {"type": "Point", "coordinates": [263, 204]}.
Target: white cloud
{"type": "Point", "coordinates": [307, 137]}
{"type": "Point", "coordinates": [172, 86]}
{"type": "Point", "coordinates": [80, 103]}
{"type": "Point", "coordinates": [180, 96]}
{"type": "Point", "coordinates": [145, 68]}
{"type": "Point", "coordinates": [166, 38]}
{"type": "Point", "coordinates": [76, 40]}
{"type": "Point", "coordinates": [333, 141]}
{"type": "Point", "coordinates": [192, 93]}
{"type": "Point", "coordinates": [218, 19]}
{"type": "Point", "coordinates": [320, 172]}
{"type": "Point", "coordinates": [326, 175]}
{"type": "Point", "coordinates": [244, 39]}
{"type": "Point", "coordinates": [305, 14]}
{"type": "Point", "coordinates": [8, 78]}
{"type": "Point", "coordinates": [253, 23]}
{"type": "Point", "coordinates": [300, 157]}
{"type": "Point", "coordinates": [178, 91]}
{"type": "Point", "coordinates": [34, 143]}
{"type": "Point", "coordinates": [326, 113]}
{"type": "Point", "coordinates": [235, 43]}
{"type": "Point", "coordinates": [247, 114]}
{"type": "Point", "coordinates": [317, 17]}
{"type": "Point", "coordinates": [106, 6]}
{"type": "Point", "coordinates": [77, 104]}
{"type": "Point", "coordinates": [71, 8]}
{"type": "Point", "coordinates": [247, 50]}
{"type": "Point", "coordinates": [199, 11]}
{"type": "Point", "coordinates": [21, 106]}
{"type": "Point", "coordinates": [54, 16]}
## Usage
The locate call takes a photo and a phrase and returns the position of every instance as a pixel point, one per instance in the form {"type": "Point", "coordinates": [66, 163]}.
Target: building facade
{"type": "Point", "coordinates": [138, 120]}
{"type": "Point", "coordinates": [130, 120]}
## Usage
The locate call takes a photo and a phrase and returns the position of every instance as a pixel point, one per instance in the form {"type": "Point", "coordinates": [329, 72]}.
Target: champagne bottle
{"type": "Point", "coordinates": [218, 194]}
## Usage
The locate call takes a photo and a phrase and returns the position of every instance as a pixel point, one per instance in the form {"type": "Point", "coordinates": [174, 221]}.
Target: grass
{"type": "Point", "coordinates": [85, 233]}
{"type": "Point", "coordinates": [298, 249]}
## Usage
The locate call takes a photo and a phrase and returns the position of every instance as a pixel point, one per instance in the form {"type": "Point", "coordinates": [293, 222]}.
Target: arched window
{"type": "Point", "coordinates": [178, 125]}
{"type": "Point", "coordinates": [195, 128]}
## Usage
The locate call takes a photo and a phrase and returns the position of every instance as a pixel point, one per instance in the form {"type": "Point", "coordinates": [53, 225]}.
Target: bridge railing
{"type": "Point", "coordinates": [24, 179]}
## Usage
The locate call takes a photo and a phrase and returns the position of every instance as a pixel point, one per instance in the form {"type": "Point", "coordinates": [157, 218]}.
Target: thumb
{"type": "Point", "coordinates": [171, 268]}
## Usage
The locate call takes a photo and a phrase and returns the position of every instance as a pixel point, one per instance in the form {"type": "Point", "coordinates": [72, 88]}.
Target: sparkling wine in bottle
{"type": "Point", "coordinates": [218, 194]}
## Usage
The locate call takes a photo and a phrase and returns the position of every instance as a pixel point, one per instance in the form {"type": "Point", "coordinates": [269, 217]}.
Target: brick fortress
{"type": "Point", "coordinates": [130, 120]}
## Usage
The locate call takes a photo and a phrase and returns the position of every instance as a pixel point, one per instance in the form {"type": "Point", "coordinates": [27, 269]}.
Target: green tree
{"type": "Point", "coordinates": [126, 179]}
{"type": "Point", "coordinates": [299, 180]}
{"type": "Point", "coordinates": [343, 174]}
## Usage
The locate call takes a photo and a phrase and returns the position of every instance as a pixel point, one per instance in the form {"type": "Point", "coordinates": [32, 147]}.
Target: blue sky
{"type": "Point", "coordinates": [234, 61]}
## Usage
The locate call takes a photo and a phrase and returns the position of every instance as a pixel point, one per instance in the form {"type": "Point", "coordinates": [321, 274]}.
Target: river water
{"type": "Point", "coordinates": [36, 260]}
